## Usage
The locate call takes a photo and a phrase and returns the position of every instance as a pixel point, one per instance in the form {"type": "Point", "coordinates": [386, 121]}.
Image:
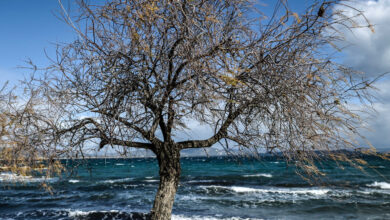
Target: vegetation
{"type": "Point", "coordinates": [141, 71]}
{"type": "Point", "coordinates": [21, 149]}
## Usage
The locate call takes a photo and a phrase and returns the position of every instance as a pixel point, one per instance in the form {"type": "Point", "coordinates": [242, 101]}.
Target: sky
{"type": "Point", "coordinates": [29, 29]}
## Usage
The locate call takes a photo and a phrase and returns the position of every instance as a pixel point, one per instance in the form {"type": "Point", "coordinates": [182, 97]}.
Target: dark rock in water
{"type": "Point", "coordinates": [114, 215]}
{"type": "Point", "coordinates": [140, 216]}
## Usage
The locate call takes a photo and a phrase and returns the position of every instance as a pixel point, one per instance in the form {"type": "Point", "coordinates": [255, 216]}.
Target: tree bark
{"type": "Point", "coordinates": [169, 163]}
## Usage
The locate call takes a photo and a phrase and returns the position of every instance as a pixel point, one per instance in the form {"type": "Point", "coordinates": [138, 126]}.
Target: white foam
{"type": "Point", "coordinates": [74, 181]}
{"type": "Point", "coordinates": [259, 174]}
{"type": "Point", "coordinates": [77, 213]}
{"type": "Point", "coordinates": [117, 180]}
{"type": "Point", "coordinates": [151, 181]}
{"type": "Point", "coordinates": [240, 189]}
{"type": "Point", "coordinates": [200, 181]}
{"type": "Point", "coordinates": [119, 164]}
{"type": "Point", "coordinates": [381, 185]}
{"type": "Point", "coordinates": [374, 191]}
{"type": "Point", "coordinates": [216, 217]}
{"type": "Point", "coordinates": [193, 197]}
{"type": "Point", "coordinates": [12, 177]}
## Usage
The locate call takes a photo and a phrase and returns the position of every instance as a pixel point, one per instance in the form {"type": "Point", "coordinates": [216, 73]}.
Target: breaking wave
{"type": "Point", "coordinates": [240, 189]}
{"type": "Point", "coordinates": [381, 185]}
{"type": "Point", "coordinates": [259, 174]}
{"type": "Point", "coordinates": [183, 217]}
{"type": "Point", "coordinates": [117, 180]}
{"type": "Point", "coordinates": [13, 177]}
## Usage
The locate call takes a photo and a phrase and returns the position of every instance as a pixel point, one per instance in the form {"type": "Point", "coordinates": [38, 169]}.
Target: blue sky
{"type": "Point", "coordinates": [30, 27]}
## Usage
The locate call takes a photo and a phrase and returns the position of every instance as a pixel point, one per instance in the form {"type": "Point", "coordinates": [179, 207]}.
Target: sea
{"type": "Point", "coordinates": [210, 188]}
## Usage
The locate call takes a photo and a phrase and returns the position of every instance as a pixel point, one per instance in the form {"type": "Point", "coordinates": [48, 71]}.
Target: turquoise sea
{"type": "Point", "coordinates": [210, 188]}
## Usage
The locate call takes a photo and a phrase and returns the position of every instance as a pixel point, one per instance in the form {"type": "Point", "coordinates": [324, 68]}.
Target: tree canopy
{"type": "Point", "coordinates": [142, 70]}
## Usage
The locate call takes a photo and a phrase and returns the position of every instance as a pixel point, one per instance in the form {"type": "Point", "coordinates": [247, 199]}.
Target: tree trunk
{"type": "Point", "coordinates": [169, 163]}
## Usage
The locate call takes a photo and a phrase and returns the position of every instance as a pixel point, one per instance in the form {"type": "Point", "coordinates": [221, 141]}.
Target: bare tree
{"type": "Point", "coordinates": [141, 70]}
{"type": "Point", "coordinates": [23, 144]}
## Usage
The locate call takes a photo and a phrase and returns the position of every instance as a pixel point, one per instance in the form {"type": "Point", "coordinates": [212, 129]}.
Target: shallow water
{"type": "Point", "coordinates": [210, 188]}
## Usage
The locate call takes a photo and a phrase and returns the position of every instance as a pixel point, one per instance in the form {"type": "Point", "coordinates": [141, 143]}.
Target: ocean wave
{"type": "Point", "coordinates": [200, 181]}
{"type": "Point", "coordinates": [117, 180]}
{"type": "Point", "coordinates": [381, 185]}
{"type": "Point", "coordinates": [76, 213]}
{"type": "Point", "coordinates": [39, 214]}
{"type": "Point", "coordinates": [74, 181]}
{"type": "Point", "coordinates": [119, 164]}
{"type": "Point", "coordinates": [194, 197]}
{"type": "Point", "coordinates": [374, 191]}
{"type": "Point", "coordinates": [112, 214]}
{"type": "Point", "coordinates": [216, 217]}
{"type": "Point", "coordinates": [259, 174]}
{"type": "Point", "coordinates": [240, 189]}
{"type": "Point", "coordinates": [12, 177]}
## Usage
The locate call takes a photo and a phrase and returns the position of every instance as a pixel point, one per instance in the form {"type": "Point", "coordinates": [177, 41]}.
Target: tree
{"type": "Point", "coordinates": [22, 145]}
{"type": "Point", "coordinates": [141, 70]}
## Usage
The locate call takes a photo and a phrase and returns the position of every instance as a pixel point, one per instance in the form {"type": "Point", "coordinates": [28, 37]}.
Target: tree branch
{"type": "Point", "coordinates": [147, 135]}
{"type": "Point", "coordinates": [222, 133]}
{"type": "Point", "coordinates": [115, 141]}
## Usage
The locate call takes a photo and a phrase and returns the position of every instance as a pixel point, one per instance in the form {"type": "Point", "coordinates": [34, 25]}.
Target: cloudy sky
{"type": "Point", "coordinates": [29, 29]}
{"type": "Point", "coordinates": [370, 52]}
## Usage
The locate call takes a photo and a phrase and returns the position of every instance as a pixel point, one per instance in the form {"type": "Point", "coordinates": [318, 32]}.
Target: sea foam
{"type": "Point", "coordinates": [12, 177]}
{"type": "Point", "coordinates": [112, 214]}
{"type": "Point", "coordinates": [259, 174]}
{"type": "Point", "coordinates": [200, 181]}
{"type": "Point", "coordinates": [117, 180]}
{"type": "Point", "coordinates": [240, 189]}
{"type": "Point", "coordinates": [182, 217]}
{"type": "Point", "coordinates": [381, 185]}
{"type": "Point", "coordinates": [77, 213]}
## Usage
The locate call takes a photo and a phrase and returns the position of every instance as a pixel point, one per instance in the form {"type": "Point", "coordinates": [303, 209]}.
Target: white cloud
{"type": "Point", "coordinates": [380, 128]}
{"type": "Point", "coordinates": [370, 51]}
{"type": "Point", "coordinates": [379, 123]}
{"type": "Point", "coordinates": [195, 131]}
